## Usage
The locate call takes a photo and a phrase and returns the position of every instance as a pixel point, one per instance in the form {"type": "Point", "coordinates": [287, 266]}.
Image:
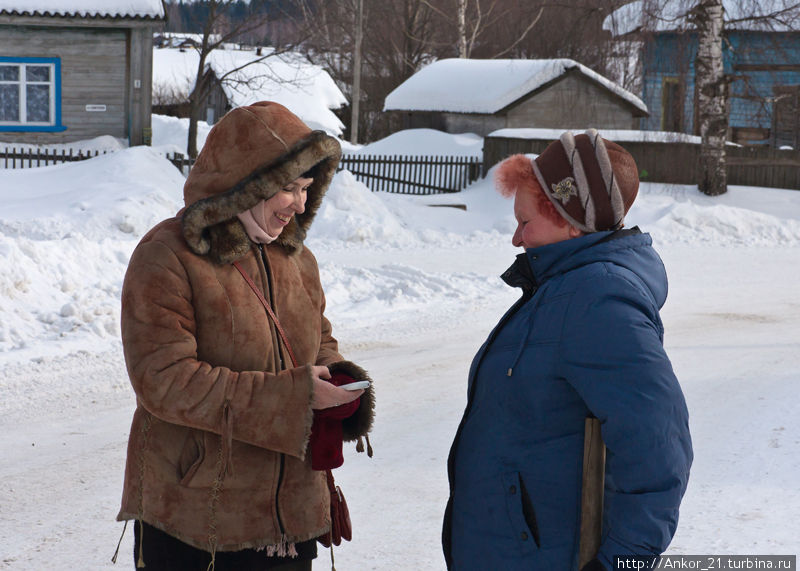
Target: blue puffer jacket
{"type": "Point", "coordinates": [586, 339]}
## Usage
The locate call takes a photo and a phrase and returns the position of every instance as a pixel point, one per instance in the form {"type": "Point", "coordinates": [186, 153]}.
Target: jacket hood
{"type": "Point", "coordinates": [630, 249]}
{"type": "Point", "coordinates": [250, 155]}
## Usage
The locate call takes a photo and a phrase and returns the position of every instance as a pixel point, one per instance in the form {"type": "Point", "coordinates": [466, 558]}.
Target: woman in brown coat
{"type": "Point", "coordinates": [219, 469]}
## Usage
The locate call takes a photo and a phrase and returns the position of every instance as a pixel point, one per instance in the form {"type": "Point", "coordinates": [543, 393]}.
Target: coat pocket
{"type": "Point", "coordinates": [528, 512]}
{"type": "Point", "coordinates": [521, 513]}
{"type": "Point", "coordinates": [192, 456]}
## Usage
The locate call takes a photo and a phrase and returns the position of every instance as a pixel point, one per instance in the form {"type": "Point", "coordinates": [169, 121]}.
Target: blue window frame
{"type": "Point", "coordinates": [30, 94]}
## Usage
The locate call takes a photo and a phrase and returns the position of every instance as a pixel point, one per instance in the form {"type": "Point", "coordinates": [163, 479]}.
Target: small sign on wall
{"type": "Point", "coordinates": [95, 108]}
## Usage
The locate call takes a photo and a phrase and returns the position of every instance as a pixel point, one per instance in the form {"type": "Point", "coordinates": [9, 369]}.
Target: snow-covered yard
{"type": "Point", "coordinates": [412, 293]}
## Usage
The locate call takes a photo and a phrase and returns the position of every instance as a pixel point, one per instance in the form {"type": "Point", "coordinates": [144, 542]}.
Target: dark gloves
{"type": "Point", "coordinates": [326, 430]}
{"type": "Point", "coordinates": [593, 565]}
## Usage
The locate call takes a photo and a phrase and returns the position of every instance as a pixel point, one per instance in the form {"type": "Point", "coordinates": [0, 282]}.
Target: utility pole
{"type": "Point", "coordinates": [356, 94]}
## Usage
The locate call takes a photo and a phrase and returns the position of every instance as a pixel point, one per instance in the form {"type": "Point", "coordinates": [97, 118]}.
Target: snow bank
{"type": "Point", "coordinates": [353, 213]}
{"type": "Point", "coordinates": [103, 143]}
{"type": "Point", "coordinates": [170, 134]}
{"type": "Point", "coordinates": [416, 142]}
{"type": "Point", "coordinates": [67, 231]}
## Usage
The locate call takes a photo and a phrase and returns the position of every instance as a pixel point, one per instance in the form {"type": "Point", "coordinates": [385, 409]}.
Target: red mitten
{"type": "Point", "coordinates": [326, 430]}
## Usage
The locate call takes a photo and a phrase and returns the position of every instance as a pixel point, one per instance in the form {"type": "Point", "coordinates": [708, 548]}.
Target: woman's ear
{"type": "Point", "coordinates": [574, 232]}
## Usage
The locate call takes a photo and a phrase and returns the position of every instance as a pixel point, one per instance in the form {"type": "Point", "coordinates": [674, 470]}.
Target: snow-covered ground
{"type": "Point", "coordinates": [412, 292]}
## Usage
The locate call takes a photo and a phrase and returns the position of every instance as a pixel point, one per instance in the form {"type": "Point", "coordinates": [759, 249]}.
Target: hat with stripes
{"type": "Point", "coordinates": [591, 181]}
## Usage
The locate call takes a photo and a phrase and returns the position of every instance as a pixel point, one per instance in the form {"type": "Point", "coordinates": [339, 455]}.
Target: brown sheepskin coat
{"type": "Point", "coordinates": [218, 452]}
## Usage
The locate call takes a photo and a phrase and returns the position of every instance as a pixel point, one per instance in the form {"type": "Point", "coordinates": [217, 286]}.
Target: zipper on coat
{"type": "Point", "coordinates": [277, 491]}
{"type": "Point", "coordinates": [265, 262]}
{"type": "Point", "coordinates": [526, 296]}
{"type": "Point", "coordinates": [282, 461]}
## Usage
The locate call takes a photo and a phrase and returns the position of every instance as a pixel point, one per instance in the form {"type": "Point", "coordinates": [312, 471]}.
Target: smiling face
{"type": "Point", "coordinates": [280, 208]}
{"type": "Point", "coordinates": [533, 228]}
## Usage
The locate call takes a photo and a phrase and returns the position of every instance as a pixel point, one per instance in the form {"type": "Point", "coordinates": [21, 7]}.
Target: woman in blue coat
{"type": "Point", "coordinates": [584, 340]}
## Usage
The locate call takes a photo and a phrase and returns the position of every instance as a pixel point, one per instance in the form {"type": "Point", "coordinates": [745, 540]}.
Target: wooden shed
{"type": "Point", "coordinates": [482, 96]}
{"type": "Point", "coordinates": [76, 70]}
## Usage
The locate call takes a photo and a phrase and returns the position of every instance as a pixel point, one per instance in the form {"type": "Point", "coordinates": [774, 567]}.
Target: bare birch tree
{"type": "Point", "coordinates": [712, 96]}
{"type": "Point", "coordinates": [710, 19]}
{"type": "Point", "coordinates": [218, 30]}
{"type": "Point", "coordinates": [472, 19]}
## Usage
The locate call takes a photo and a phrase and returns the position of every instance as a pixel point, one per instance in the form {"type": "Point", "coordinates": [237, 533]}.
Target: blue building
{"type": "Point", "coordinates": [762, 61]}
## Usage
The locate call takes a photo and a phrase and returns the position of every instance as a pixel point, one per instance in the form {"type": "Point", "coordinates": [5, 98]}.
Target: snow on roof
{"type": "Point", "coordinates": [85, 8]}
{"type": "Point", "coordinates": [489, 85]}
{"type": "Point", "coordinates": [305, 89]}
{"type": "Point", "coordinates": [671, 15]}
{"type": "Point", "coordinates": [616, 135]}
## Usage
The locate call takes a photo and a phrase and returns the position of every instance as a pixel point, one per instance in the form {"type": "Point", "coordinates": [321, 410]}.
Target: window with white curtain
{"type": "Point", "coordinates": [29, 88]}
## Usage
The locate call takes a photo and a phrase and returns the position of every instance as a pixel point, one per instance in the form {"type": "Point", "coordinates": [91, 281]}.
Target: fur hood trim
{"type": "Point", "coordinates": [210, 225]}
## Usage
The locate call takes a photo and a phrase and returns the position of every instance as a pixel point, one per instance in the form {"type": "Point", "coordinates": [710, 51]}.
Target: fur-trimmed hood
{"type": "Point", "coordinates": [249, 155]}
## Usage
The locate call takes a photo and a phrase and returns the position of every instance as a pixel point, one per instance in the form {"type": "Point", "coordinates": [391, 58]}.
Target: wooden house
{"type": "Point", "coordinates": [76, 69]}
{"type": "Point", "coordinates": [761, 60]}
{"type": "Point", "coordinates": [482, 96]}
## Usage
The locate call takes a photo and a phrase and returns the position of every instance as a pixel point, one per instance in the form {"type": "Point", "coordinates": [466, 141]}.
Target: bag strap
{"type": "Point", "coordinates": [271, 313]}
{"type": "Point", "coordinates": [282, 333]}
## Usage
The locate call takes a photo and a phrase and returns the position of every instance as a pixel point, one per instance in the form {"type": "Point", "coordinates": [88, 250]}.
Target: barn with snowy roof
{"type": "Point", "coordinates": [76, 69]}
{"type": "Point", "coordinates": [481, 96]}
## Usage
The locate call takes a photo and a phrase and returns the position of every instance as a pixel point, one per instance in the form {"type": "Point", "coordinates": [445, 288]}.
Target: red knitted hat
{"type": "Point", "coordinates": [591, 181]}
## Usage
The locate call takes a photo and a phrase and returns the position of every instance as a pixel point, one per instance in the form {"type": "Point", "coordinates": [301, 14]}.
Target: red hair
{"type": "Point", "coordinates": [516, 174]}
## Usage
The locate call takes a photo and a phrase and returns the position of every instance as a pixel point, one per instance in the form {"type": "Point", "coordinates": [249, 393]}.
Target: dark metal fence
{"type": "Point", "coordinates": [13, 158]}
{"type": "Point", "coordinates": [413, 175]}
{"type": "Point", "coordinates": [678, 162]}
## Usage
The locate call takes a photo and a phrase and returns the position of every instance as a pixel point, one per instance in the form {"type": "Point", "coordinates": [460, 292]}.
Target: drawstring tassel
{"type": "Point", "coordinates": [212, 564]}
{"type": "Point", "coordinates": [116, 553]}
{"type": "Point", "coordinates": [284, 548]}
{"type": "Point", "coordinates": [360, 445]}
{"type": "Point", "coordinates": [333, 565]}
{"type": "Point", "coordinates": [140, 562]}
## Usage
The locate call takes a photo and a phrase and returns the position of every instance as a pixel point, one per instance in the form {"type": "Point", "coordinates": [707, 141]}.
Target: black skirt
{"type": "Point", "coordinates": [162, 552]}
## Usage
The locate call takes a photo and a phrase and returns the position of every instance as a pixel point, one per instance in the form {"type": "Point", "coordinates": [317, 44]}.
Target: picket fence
{"type": "Point", "coordinates": [413, 175]}
{"type": "Point", "coordinates": [397, 173]}
{"type": "Point", "coordinates": [13, 158]}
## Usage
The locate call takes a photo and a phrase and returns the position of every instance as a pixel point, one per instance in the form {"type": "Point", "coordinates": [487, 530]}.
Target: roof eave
{"type": "Point", "coordinates": [75, 15]}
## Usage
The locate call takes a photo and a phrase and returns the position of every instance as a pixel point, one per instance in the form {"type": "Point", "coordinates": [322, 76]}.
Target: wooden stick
{"type": "Point", "coordinates": [594, 463]}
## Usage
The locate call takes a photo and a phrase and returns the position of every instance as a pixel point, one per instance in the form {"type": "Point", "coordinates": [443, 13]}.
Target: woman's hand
{"type": "Point", "coordinates": [327, 395]}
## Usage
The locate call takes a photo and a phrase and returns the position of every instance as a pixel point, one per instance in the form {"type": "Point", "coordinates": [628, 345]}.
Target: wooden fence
{"type": "Point", "coordinates": [413, 175]}
{"type": "Point", "coordinates": [678, 163]}
{"type": "Point", "coordinates": [12, 158]}
{"type": "Point", "coordinates": [398, 174]}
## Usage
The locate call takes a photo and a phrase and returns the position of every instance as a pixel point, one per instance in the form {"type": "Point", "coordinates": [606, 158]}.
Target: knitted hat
{"type": "Point", "coordinates": [591, 181]}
